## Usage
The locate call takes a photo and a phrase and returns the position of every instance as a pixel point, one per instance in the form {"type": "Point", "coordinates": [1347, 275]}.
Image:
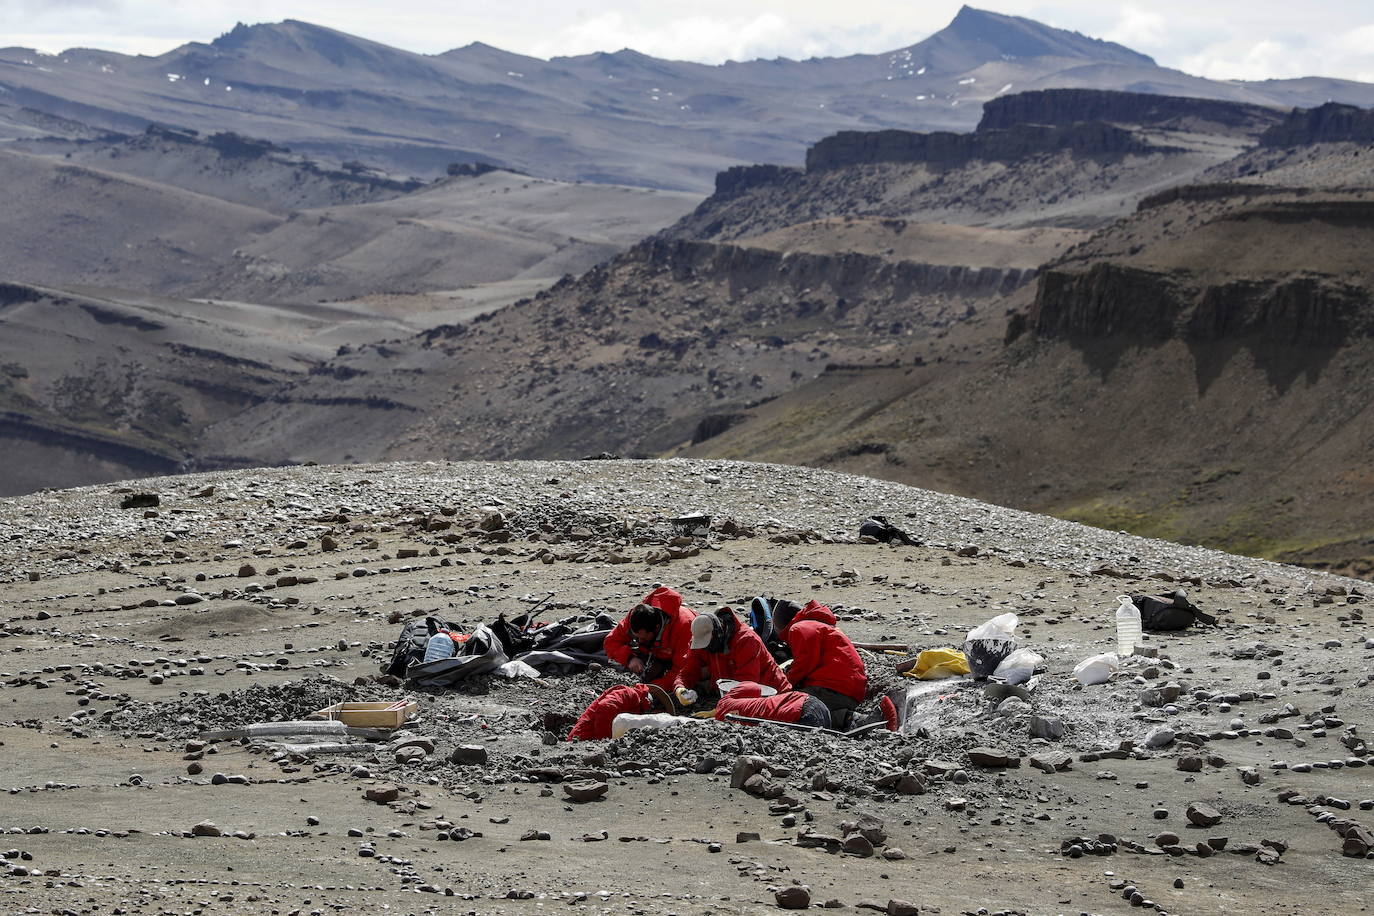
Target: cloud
{"type": "Point", "coordinates": [1139, 28]}
{"type": "Point", "coordinates": [708, 39]}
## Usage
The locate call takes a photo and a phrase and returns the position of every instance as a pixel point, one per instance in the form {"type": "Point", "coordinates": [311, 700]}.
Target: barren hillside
{"type": "Point", "coordinates": [623, 117]}
{"type": "Point", "coordinates": [1198, 372]}
{"type": "Point", "coordinates": [161, 216]}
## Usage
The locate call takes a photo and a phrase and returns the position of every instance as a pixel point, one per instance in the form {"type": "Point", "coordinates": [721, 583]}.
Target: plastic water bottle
{"type": "Point", "coordinates": [440, 645]}
{"type": "Point", "coordinates": [1128, 634]}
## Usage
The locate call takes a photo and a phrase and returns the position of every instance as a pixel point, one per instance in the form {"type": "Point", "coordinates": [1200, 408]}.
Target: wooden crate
{"type": "Point", "coordinates": [370, 715]}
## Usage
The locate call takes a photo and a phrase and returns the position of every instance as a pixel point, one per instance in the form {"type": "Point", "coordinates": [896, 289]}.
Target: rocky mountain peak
{"type": "Point", "coordinates": [978, 36]}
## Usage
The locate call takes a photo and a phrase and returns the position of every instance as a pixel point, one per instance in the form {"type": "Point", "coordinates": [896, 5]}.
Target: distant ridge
{"type": "Point", "coordinates": [621, 117]}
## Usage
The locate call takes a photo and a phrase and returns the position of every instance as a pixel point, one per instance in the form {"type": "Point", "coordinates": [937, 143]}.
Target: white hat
{"type": "Point", "coordinates": [703, 631]}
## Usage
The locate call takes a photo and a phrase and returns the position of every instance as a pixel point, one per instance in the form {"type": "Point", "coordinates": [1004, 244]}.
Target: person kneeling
{"type": "Point", "coordinates": [595, 722]}
{"type": "Point", "coordinates": [723, 648]}
{"type": "Point", "coordinates": [747, 699]}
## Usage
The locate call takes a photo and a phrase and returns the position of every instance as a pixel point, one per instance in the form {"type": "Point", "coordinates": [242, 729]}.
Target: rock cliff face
{"type": "Point", "coordinates": [1062, 107]}
{"type": "Point", "coordinates": [1329, 123]}
{"type": "Point", "coordinates": [740, 178]}
{"type": "Point", "coordinates": [850, 148]}
{"type": "Point", "coordinates": [848, 272]}
{"type": "Point", "coordinates": [1112, 300]}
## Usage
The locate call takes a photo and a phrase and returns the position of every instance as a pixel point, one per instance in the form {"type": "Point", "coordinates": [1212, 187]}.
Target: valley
{"type": "Point", "coordinates": [1141, 310]}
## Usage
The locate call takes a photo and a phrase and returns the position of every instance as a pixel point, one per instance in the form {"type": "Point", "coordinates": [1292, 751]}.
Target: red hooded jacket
{"type": "Point", "coordinates": [745, 658]}
{"type": "Point", "coordinates": [672, 645]}
{"type": "Point", "coordinates": [822, 656]}
{"type": "Point", "coordinates": [596, 720]}
{"type": "Point", "coordinates": [748, 700]}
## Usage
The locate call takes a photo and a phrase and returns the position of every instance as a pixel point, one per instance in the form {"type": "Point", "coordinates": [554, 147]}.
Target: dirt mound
{"type": "Point", "coordinates": [213, 620]}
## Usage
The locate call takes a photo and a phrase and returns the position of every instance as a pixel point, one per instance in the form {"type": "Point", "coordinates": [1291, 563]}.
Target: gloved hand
{"type": "Point", "coordinates": [686, 696]}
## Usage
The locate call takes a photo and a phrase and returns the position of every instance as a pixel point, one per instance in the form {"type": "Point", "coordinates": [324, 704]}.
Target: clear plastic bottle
{"type": "Point", "coordinates": [440, 645]}
{"type": "Point", "coordinates": [1128, 632]}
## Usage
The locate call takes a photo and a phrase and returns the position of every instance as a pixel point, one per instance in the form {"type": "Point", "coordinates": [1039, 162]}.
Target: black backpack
{"type": "Point", "coordinates": [1160, 614]}
{"type": "Point", "coordinates": [410, 645]}
{"type": "Point", "coordinates": [877, 526]}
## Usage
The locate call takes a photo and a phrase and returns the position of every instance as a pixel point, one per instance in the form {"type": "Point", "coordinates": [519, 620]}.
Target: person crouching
{"type": "Point", "coordinates": [747, 699]}
{"type": "Point", "coordinates": [722, 647]}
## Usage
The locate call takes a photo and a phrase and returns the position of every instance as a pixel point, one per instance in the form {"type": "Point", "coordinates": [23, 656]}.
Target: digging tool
{"type": "Point", "coordinates": [664, 699]}
{"type": "Point", "coordinates": [852, 733]}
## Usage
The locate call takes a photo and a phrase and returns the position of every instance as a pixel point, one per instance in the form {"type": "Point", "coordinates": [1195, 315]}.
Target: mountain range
{"type": "Point", "coordinates": [621, 117]}
{"type": "Point", "coordinates": [1146, 311]}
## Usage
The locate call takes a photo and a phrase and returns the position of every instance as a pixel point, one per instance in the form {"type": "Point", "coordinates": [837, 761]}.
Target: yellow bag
{"type": "Point", "coordinates": [933, 664]}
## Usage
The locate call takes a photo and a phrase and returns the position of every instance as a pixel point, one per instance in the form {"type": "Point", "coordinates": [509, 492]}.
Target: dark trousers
{"type": "Point", "coordinates": [840, 706]}
{"type": "Point", "coordinates": [814, 712]}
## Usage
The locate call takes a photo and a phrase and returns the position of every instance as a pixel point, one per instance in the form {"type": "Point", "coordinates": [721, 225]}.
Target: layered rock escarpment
{"type": "Point", "coordinates": [1062, 107]}
{"type": "Point", "coordinates": [1110, 300]}
{"type": "Point", "coordinates": [849, 148]}
{"type": "Point", "coordinates": [1329, 123]}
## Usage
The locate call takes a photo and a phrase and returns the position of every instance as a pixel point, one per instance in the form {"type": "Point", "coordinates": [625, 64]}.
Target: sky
{"type": "Point", "coordinates": [1218, 39]}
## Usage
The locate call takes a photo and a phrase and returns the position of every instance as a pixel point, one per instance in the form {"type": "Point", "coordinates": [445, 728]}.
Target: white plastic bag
{"type": "Point", "coordinates": [517, 668]}
{"type": "Point", "coordinates": [1018, 667]}
{"type": "Point", "coordinates": [1097, 669]}
{"type": "Point", "coordinates": [1003, 626]}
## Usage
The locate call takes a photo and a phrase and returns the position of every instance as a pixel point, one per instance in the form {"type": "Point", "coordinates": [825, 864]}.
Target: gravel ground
{"type": "Point", "coordinates": [265, 595]}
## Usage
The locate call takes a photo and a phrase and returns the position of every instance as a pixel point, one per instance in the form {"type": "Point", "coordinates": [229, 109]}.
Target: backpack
{"type": "Point", "coordinates": [877, 526]}
{"type": "Point", "coordinates": [410, 645]}
{"type": "Point", "coordinates": [1159, 614]}
{"type": "Point", "coordinates": [765, 615]}
{"type": "Point", "coordinates": [515, 636]}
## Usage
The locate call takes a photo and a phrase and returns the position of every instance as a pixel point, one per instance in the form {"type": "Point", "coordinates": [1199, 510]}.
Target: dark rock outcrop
{"type": "Point", "coordinates": [1062, 107]}
{"type": "Point", "coordinates": [713, 425]}
{"type": "Point", "coordinates": [1329, 123]}
{"type": "Point", "coordinates": [1113, 300]}
{"type": "Point", "coordinates": [945, 149]}
{"type": "Point", "coordinates": [740, 178]}
{"type": "Point", "coordinates": [1196, 193]}
{"type": "Point", "coordinates": [749, 268]}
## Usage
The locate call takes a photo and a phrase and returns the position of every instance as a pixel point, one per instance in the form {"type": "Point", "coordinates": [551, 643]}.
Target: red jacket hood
{"type": "Point", "coordinates": [665, 599]}
{"type": "Point", "coordinates": [814, 610]}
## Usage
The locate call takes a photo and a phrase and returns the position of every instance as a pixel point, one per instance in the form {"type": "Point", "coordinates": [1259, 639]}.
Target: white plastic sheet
{"type": "Point", "coordinates": [1097, 669]}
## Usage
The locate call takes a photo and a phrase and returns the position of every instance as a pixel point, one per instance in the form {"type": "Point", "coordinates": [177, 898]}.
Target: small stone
{"type": "Point", "coordinates": [796, 897]}
{"type": "Point", "coordinates": [1160, 737]}
{"type": "Point", "coordinates": [858, 845]}
{"type": "Point", "coordinates": [469, 755]}
{"type": "Point", "coordinates": [382, 795]}
{"type": "Point", "coordinates": [206, 828]}
{"type": "Point", "coordinates": [585, 790]}
{"type": "Point", "coordinates": [990, 757]}
{"type": "Point", "coordinates": [1203, 815]}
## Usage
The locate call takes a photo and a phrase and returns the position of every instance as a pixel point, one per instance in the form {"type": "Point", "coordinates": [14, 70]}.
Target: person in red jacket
{"type": "Point", "coordinates": [653, 640]}
{"type": "Point", "coordinates": [722, 647]}
{"type": "Point", "coordinates": [793, 706]}
{"type": "Point", "coordinates": [825, 663]}
{"type": "Point", "coordinates": [595, 722]}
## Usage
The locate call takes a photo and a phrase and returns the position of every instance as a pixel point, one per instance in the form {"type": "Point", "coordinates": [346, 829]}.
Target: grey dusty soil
{"type": "Point", "coordinates": [126, 633]}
